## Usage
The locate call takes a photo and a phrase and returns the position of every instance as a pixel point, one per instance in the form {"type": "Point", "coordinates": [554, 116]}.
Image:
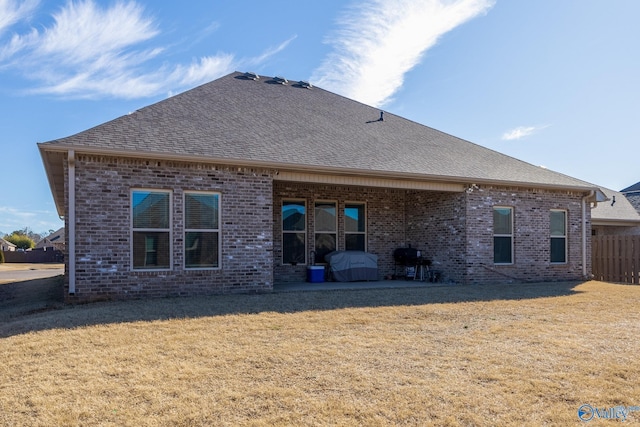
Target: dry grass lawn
{"type": "Point", "coordinates": [486, 355]}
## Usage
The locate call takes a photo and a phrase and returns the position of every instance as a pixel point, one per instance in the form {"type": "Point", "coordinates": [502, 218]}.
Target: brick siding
{"type": "Point", "coordinates": [436, 224]}
{"type": "Point", "coordinates": [531, 238]}
{"type": "Point", "coordinates": [454, 230]}
{"type": "Point", "coordinates": [103, 228]}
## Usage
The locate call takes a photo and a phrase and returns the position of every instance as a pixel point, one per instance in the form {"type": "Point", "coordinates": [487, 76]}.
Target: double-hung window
{"type": "Point", "coordinates": [355, 227]}
{"type": "Point", "coordinates": [201, 230]}
{"type": "Point", "coordinates": [151, 231]}
{"type": "Point", "coordinates": [326, 229]}
{"type": "Point", "coordinates": [503, 235]}
{"type": "Point", "coordinates": [558, 228]}
{"type": "Point", "coordinates": [294, 232]}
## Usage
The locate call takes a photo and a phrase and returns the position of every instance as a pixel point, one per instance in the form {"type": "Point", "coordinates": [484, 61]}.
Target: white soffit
{"type": "Point", "coordinates": [368, 182]}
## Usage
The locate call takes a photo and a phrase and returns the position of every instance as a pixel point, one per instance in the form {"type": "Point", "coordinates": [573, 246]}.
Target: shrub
{"type": "Point", "coordinates": [1, 257]}
{"type": "Point", "coordinates": [21, 241]}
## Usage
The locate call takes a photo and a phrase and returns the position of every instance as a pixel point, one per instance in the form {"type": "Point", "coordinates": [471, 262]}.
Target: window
{"type": "Point", "coordinates": [201, 230]}
{"type": "Point", "coordinates": [502, 235]}
{"type": "Point", "coordinates": [151, 233]}
{"type": "Point", "coordinates": [355, 229]}
{"type": "Point", "coordinates": [294, 231]}
{"type": "Point", "coordinates": [326, 227]}
{"type": "Point", "coordinates": [558, 228]}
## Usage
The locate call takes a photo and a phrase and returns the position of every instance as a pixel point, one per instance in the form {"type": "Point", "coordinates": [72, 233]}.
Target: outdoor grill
{"type": "Point", "coordinates": [413, 265]}
{"type": "Point", "coordinates": [406, 256]}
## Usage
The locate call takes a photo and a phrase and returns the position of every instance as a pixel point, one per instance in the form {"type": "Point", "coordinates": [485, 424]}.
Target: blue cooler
{"type": "Point", "coordinates": [315, 273]}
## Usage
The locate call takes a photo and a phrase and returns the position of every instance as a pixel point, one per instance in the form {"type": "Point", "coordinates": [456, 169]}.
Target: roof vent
{"type": "Point", "coordinates": [280, 80]}
{"type": "Point", "coordinates": [250, 75]}
{"type": "Point", "coordinates": [304, 84]}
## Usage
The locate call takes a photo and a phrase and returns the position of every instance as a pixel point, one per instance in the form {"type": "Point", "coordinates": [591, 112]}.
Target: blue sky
{"type": "Point", "coordinates": [552, 82]}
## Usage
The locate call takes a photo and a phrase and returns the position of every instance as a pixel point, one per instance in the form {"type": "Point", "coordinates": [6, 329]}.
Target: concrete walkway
{"type": "Point", "coordinates": [334, 286]}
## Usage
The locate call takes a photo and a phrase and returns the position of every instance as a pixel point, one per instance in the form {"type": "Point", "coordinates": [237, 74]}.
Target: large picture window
{"type": "Point", "coordinates": [558, 226]}
{"type": "Point", "coordinates": [151, 232]}
{"type": "Point", "coordinates": [355, 227]}
{"type": "Point", "coordinates": [294, 232]}
{"type": "Point", "coordinates": [503, 235]}
{"type": "Point", "coordinates": [326, 229]}
{"type": "Point", "coordinates": [201, 230]}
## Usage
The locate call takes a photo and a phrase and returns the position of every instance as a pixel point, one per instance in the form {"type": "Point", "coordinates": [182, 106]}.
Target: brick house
{"type": "Point", "coordinates": [246, 180]}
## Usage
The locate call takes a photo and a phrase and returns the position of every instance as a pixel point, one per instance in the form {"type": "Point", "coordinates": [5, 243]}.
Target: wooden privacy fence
{"type": "Point", "coordinates": [616, 258]}
{"type": "Point", "coordinates": [34, 256]}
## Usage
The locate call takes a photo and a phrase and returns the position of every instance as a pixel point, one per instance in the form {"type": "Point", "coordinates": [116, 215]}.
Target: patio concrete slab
{"type": "Point", "coordinates": [334, 286]}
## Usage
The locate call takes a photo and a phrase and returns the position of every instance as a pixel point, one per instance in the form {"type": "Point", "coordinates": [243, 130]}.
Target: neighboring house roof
{"type": "Point", "coordinates": [620, 213]}
{"type": "Point", "coordinates": [635, 188]}
{"type": "Point", "coordinates": [632, 193]}
{"type": "Point", "coordinates": [239, 121]}
{"type": "Point", "coordinates": [57, 237]}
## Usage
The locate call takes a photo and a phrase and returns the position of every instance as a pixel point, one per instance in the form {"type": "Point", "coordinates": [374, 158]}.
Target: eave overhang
{"type": "Point", "coordinates": [54, 154]}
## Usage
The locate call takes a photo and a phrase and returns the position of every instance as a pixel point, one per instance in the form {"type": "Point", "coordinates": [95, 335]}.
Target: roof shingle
{"type": "Point", "coordinates": [261, 122]}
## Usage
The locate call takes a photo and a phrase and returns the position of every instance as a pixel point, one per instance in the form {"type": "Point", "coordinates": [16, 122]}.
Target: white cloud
{"type": "Point", "coordinates": [16, 219]}
{"type": "Point", "coordinates": [521, 132]}
{"type": "Point", "coordinates": [88, 51]}
{"type": "Point", "coordinates": [15, 11]}
{"type": "Point", "coordinates": [380, 40]}
{"type": "Point", "coordinates": [84, 32]}
{"type": "Point", "coordinates": [11, 13]}
{"type": "Point", "coordinates": [271, 52]}
{"type": "Point", "coordinates": [91, 51]}
{"type": "Point", "coordinates": [203, 70]}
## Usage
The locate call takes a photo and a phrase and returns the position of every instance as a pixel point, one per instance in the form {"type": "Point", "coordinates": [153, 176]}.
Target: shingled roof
{"type": "Point", "coordinates": [262, 122]}
{"type": "Point", "coordinates": [617, 211]}
{"type": "Point", "coordinates": [635, 188]}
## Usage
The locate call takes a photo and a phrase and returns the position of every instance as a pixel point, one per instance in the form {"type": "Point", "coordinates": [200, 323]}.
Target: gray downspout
{"type": "Point", "coordinates": [584, 232]}
{"type": "Point", "coordinates": [71, 219]}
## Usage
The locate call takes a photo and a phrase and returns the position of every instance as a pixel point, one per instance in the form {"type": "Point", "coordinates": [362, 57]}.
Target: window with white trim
{"type": "Point", "coordinates": [294, 232]}
{"type": "Point", "coordinates": [558, 240]}
{"type": "Point", "coordinates": [355, 226]}
{"type": "Point", "coordinates": [151, 229]}
{"type": "Point", "coordinates": [201, 230]}
{"type": "Point", "coordinates": [326, 229]}
{"type": "Point", "coordinates": [502, 235]}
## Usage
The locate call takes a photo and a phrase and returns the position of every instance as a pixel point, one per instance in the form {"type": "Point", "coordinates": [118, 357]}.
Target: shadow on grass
{"type": "Point", "coordinates": [30, 296]}
{"type": "Point", "coordinates": [55, 315]}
